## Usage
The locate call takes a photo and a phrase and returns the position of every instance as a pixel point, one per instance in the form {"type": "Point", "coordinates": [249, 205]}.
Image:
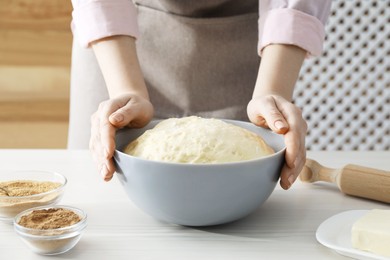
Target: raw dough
{"type": "Point", "coordinates": [198, 140]}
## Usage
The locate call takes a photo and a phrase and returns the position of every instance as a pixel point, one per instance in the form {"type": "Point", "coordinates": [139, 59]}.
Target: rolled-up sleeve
{"type": "Point", "coordinates": [295, 22]}
{"type": "Point", "coordinates": [97, 19]}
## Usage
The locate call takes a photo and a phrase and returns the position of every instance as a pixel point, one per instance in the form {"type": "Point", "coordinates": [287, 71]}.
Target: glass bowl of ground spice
{"type": "Point", "coordinates": [51, 230]}
{"type": "Point", "coordinates": [21, 190]}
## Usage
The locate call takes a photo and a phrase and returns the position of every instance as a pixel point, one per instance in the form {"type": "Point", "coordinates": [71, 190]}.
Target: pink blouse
{"type": "Point", "coordinates": [296, 22]}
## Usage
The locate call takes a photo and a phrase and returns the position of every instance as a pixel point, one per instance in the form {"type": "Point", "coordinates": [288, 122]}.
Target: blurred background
{"type": "Point", "coordinates": [345, 94]}
{"type": "Point", "coordinates": [35, 51]}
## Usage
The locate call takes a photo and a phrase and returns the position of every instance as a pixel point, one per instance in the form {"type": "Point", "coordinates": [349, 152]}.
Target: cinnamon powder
{"type": "Point", "coordinates": [49, 219]}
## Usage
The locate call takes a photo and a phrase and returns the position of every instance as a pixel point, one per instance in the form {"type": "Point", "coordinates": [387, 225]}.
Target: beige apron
{"type": "Point", "coordinates": [198, 58]}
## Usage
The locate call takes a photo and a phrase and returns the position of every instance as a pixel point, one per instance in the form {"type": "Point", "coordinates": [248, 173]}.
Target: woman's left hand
{"type": "Point", "coordinates": [282, 117]}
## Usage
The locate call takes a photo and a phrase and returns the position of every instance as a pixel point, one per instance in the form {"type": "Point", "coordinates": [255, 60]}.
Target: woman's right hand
{"type": "Point", "coordinates": [127, 110]}
{"type": "Point", "coordinates": [282, 117]}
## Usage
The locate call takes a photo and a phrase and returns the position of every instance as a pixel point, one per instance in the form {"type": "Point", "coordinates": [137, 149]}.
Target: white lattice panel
{"type": "Point", "coordinates": [345, 94]}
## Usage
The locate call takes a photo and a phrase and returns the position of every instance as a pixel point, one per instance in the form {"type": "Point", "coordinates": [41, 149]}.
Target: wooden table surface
{"type": "Point", "coordinates": [282, 228]}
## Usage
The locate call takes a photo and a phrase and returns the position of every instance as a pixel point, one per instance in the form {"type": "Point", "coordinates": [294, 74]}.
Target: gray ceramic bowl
{"type": "Point", "coordinates": [199, 194]}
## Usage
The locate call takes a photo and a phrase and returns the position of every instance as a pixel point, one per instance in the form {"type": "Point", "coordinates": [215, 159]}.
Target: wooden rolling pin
{"type": "Point", "coordinates": [353, 180]}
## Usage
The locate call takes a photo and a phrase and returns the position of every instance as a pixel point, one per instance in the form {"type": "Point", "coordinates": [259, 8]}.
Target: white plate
{"type": "Point", "coordinates": [335, 233]}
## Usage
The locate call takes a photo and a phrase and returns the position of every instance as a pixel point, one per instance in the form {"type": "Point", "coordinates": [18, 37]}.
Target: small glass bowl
{"type": "Point", "coordinates": [51, 241]}
{"type": "Point", "coordinates": [10, 206]}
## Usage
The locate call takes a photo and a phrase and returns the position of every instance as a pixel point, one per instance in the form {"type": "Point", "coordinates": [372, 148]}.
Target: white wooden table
{"type": "Point", "coordinates": [283, 228]}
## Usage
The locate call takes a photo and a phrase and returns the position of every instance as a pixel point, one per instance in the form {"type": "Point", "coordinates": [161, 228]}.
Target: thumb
{"type": "Point", "coordinates": [116, 118]}
{"type": "Point", "coordinates": [270, 113]}
{"type": "Point", "coordinates": [122, 117]}
{"type": "Point", "coordinates": [280, 125]}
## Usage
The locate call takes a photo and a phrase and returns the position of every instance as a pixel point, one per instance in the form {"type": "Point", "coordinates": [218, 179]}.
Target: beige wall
{"type": "Point", "coordinates": [35, 50]}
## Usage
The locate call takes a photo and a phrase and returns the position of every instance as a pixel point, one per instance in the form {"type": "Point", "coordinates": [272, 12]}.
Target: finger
{"type": "Point", "coordinates": [269, 111]}
{"type": "Point", "coordinates": [136, 113]}
{"type": "Point", "coordinates": [295, 144]}
{"type": "Point", "coordinates": [106, 168]}
{"type": "Point", "coordinates": [92, 137]}
{"type": "Point", "coordinates": [96, 147]}
{"type": "Point", "coordinates": [124, 116]}
{"type": "Point", "coordinates": [99, 150]}
{"type": "Point", "coordinates": [107, 139]}
{"type": "Point", "coordinates": [107, 130]}
{"type": "Point", "coordinates": [94, 142]}
{"type": "Point", "coordinates": [286, 171]}
{"type": "Point", "coordinates": [289, 175]}
{"type": "Point", "coordinates": [110, 170]}
{"type": "Point", "coordinates": [99, 157]}
{"type": "Point", "coordinates": [258, 119]}
{"type": "Point", "coordinates": [295, 137]}
{"type": "Point", "coordinates": [292, 140]}
{"type": "Point", "coordinates": [104, 172]}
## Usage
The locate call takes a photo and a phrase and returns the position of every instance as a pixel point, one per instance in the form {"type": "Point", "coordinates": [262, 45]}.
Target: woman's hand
{"type": "Point", "coordinates": [282, 117]}
{"type": "Point", "coordinates": [125, 110]}
{"type": "Point", "coordinates": [129, 99]}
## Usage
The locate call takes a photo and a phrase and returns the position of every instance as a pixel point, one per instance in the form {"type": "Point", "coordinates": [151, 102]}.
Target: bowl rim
{"type": "Point", "coordinates": [201, 164]}
{"type": "Point", "coordinates": [70, 231]}
{"type": "Point", "coordinates": [62, 186]}
{"type": "Point", "coordinates": [275, 154]}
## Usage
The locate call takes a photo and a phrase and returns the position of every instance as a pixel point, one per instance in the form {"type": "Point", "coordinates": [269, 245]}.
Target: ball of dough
{"type": "Point", "coordinates": [198, 140]}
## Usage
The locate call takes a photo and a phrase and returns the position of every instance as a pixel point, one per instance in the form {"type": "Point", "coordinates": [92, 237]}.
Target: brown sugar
{"type": "Point", "coordinates": [49, 219]}
{"type": "Point", "coordinates": [26, 187]}
{"type": "Point", "coordinates": [15, 195]}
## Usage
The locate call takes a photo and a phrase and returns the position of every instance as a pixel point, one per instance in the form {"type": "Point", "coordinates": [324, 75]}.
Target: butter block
{"type": "Point", "coordinates": [372, 232]}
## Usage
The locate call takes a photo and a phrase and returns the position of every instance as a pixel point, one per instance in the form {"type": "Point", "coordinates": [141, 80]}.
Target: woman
{"type": "Point", "coordinates": [173, 58]}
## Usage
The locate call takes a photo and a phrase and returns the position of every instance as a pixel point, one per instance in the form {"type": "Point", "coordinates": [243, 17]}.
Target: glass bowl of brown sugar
{"type": "Point", "coordinates": [51, 230]}
{"type": "Point", "coordinates": [22, 190]}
